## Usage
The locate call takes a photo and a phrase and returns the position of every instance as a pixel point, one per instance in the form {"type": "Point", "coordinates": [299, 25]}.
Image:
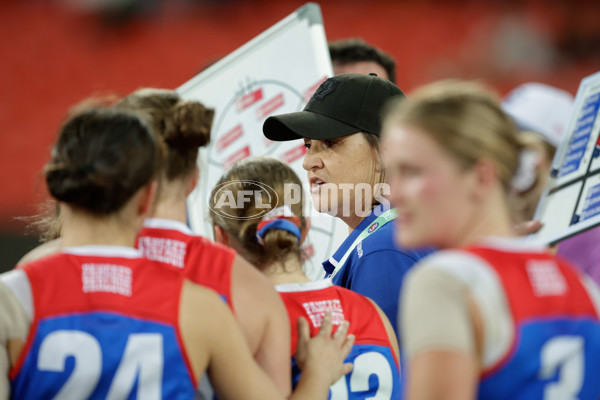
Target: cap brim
{"type": "Point", "coordinates": [305, 124]}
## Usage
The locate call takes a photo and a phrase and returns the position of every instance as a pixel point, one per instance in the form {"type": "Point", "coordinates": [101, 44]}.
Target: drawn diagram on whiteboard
{"type": "Point", "coordinates": [571, 202]}
{"type": "Point", "coordinates": [244, 90]}
{"type": "Point", "coordinates": [237, 133]}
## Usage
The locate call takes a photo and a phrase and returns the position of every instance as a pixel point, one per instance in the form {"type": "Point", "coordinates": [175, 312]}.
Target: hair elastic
{"type": "Point", "coordinates": [278, 218]}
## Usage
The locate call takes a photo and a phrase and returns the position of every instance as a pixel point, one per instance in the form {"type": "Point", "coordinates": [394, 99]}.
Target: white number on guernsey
{"type": "Point", "coordinates": [54, 351]}
{"type": "Point", "coordinates": [365, 365]}
{"type": "Point", "coordinates": [563, 354]}
{"type": "Point", "coordinates": [143, 358]}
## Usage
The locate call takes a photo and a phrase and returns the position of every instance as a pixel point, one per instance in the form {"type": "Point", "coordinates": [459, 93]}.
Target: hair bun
{"type": "Point", "coordinates": [101, 159]}
{"type": "Point", "coordinates": [80, 186]}
{"type": "Point", "coordinates": [188, 125]}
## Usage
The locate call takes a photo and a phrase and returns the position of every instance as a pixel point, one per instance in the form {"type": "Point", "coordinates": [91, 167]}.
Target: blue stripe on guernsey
{"type": "Point", "coordinates": [374, 375]}
{"type": "Point", "coordinates": [554, 360]}
{"type": "Point", "coordinates": [103, 355]}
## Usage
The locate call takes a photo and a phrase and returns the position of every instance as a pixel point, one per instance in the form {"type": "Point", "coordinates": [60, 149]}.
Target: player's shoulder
{"type": "Point", "coordinates": [198, 300]}
{"type": "Point", "coordinates": [319, 290]}
{"type": "Point", "coordinates": [15, 284]}
{"type": "Point", "coordinates": [202, 253]}
{"type": "Point", "coordinates": [353, 298]}
{"type": "Point", "coordinates": [357, 308]}
{"type": "Point", "coordinates": [206, 243]}
{"type": "Point", "coordinates": [200, 293]}
{"type": "Point", "coordinates": [51, 267]}
{"type": "Point", "coordinates": [202, 244]}
{"type": "Point", "coordinates": [490, 256]}
{"type": "Point", "coordinates": [464, 267]}
{"type": "Point", "coordinates": [458, 262]}
{"type": "Point", "coordinates": [252, 288]}
{"type": "Point", "coordinates": [44, 250]}
{"type": "Point", "coordinates": [46, 259]}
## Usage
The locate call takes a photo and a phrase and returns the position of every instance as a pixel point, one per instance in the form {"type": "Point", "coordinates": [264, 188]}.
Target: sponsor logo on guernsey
{"type": "Point", "coordinates": [374, 226]}
{"type": "Point", "coordinates": [108, 278]}
{"type": "Point", "coordinates": [316, 311]}
{"type": "Point", "coordinates": [546, 279]}
{"type": "Point", "coordinates": [168, 251]}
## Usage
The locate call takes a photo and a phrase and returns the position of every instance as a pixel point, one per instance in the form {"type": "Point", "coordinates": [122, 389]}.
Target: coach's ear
{"type": "Point", "coordinates": [220, 235]}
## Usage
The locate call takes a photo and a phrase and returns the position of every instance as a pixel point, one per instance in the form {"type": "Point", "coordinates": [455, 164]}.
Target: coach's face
{"type": "Point", "coordinates": [341, 174]}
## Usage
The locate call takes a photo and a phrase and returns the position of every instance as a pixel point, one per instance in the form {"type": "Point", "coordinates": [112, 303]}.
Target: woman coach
{"type": "Point", "coordinates": [340, 126]}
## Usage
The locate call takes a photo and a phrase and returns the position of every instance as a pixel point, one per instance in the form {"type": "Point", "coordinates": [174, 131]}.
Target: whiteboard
{"type": "Point", "coordinates": [277, 72]}
{"type": "Point", "coordinates": [571, 201]}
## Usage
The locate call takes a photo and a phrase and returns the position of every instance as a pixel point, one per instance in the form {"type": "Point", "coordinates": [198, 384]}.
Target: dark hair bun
{"type": "Point", "coordinates": [85, 188]}
{"type": "Point", "coordinates": [102, 157]}
{"type": "Point", "coordinates": [188, 125]}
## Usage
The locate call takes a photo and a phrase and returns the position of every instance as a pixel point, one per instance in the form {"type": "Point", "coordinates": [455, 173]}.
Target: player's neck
{"type": "Point", "coordinates": [172, 208]}
{"type": "Point", "coordinates": [171, 200]}
{"type": "Point", "coordinates": [84, 230]}
{"type": "Point", "coordinates": [284, 273]}
{"type": "Point", "coordinates": [492, 220]}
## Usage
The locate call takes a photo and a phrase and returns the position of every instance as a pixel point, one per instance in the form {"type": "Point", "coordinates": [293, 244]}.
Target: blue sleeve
{"type": "Point", "coordinates": [379, 275]}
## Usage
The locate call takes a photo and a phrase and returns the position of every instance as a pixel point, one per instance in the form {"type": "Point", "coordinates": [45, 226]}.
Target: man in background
{"type": "Point", "coordinates": [354, 55]}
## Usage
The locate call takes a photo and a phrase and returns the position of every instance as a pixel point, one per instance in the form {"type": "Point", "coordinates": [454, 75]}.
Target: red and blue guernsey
{"type": "Point", "coordinates": [375, 374]}
{"type": "Point", "coordinates": [203, 262]}
{"type": "Point", "coordinates": [541, 321]}
{"type": "Point", "coordinates": [104, 326]}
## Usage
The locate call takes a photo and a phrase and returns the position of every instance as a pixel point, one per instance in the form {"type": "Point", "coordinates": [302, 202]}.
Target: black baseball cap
{"type": "Point", "coordinates": [342, 105]}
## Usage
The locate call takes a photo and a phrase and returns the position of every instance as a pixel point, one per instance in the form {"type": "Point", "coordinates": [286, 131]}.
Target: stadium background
{"type": "Point", "coordinates": [56, 53]}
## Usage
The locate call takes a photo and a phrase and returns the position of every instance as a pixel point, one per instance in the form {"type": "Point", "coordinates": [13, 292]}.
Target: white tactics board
{"type": "Point", "coordinates": [571, 202]}
{"type": "Point", "coordinates": [277, 72]}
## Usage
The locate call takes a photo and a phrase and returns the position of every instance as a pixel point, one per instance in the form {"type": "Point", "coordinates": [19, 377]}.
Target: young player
{"type": "Point", "coordinates": [490, 316]}
{"type": "Point", "coordinates": [182, 127]}
{"type": "Point", "coordinates": [100, 321]}
{"type": "Point", "coordinates": [270, 238]}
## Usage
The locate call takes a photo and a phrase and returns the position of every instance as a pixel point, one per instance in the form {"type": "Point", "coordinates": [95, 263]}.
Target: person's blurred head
{"type": "Point", "coordinates": [450, 153]}
{"type": "Point", "coordinates": [542, 113]}
{"type": "Point", "coordinates": [341, 126]}
{"type": "Point", "coordinates": [101, 160]}
{"type": "Point", "coordinates": [254, 227]}
{"type": "Point", "coordinates": [183, 127]}
{"type": "Point", "coordinates": [354, 55]}
{"type": "Point", "coordinates": [540, 108]}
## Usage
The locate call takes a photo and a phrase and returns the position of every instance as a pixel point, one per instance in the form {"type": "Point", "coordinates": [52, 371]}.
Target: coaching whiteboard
{"type": "Point", "coordinates": [571, 202]}
{"type": "Point", "coordinates": [277, 72]}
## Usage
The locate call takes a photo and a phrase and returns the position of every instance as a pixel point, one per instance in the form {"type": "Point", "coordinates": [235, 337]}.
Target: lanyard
{"type": "Point", "coordinates": [373, 227]}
